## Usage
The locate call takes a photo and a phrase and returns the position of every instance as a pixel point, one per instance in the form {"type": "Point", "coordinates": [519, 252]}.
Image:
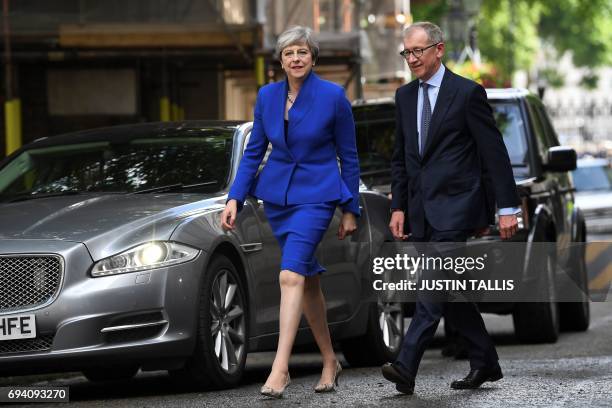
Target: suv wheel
{"type": "Point", "coordinates": [576, 316]}
{"type": "Point", "coordinates": [383, 339]}
{"type": "Point", "coordinates": [538, 322]}
{"type": "Point", "coordinates": [221, 348]}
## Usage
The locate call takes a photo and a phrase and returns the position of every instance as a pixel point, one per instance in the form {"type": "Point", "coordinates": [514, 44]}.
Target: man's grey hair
{"type": "Point", "coordinates": [297, 35]}
{"type": "Point", "coordinates": [434, 33]}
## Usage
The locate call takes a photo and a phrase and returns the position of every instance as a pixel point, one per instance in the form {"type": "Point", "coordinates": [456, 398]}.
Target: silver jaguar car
{"type": "Point", "coordinates": [112, 259]}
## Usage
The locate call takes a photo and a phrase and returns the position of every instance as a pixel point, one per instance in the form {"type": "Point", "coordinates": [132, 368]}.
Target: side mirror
{"type": "Point", "coordinates": [561, 158]}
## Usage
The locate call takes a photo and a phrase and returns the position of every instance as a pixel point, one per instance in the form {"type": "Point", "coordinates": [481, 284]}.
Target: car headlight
{"type": "Point", "coordinates": [151, 255]}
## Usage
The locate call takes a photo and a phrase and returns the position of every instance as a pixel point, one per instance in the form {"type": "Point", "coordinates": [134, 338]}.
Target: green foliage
{"type": "Point", "coordinates": [510, 31]}
{"type": "Point", "coordinates": [432, 11]}
{"type": "Point", "coordinates": [553, 78]}
{"type": "Point", "coordinates": [507, 34]}
{"type": "Point", "coordinates": [583, 27]}
{"type": "Point", "coordinates": [589, 80]}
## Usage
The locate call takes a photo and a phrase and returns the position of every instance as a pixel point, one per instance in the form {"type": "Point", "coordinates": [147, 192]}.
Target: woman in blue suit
{"type": "Point", "coordinates": [301, 186]}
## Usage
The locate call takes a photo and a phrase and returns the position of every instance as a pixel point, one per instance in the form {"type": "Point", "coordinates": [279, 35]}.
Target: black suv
{"type": "Point", "coordinates": [541, 169]}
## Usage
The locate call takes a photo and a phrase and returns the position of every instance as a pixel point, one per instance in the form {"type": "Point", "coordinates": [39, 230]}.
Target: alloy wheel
{"type": "Point", "coordinates": [391, 321]}
{"type": "Point", "coordinates": [227, 321]}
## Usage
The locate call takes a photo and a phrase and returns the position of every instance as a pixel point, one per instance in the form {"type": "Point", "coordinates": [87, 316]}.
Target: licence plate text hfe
{"type": "Point", "coordinates": [17, 327]}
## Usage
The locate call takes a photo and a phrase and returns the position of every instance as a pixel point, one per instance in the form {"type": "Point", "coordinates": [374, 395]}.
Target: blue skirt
{"type": "Point", "coordinates": [298, 229]}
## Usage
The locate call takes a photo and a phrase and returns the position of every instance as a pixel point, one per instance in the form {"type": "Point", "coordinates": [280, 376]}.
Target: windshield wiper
{"type": "Point", "coordinates": [174, 187]}
{"type": "Point", "coordinates": [31, 196]}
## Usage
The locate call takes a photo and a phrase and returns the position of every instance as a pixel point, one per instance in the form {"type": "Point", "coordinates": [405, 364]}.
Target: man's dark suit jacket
{"type": "Point", "coordinates": [447, 185]}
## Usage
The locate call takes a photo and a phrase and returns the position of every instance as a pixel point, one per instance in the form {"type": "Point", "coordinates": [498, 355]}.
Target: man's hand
{"type": "Point", "coordinates": [348, 225]}
{"type": "Point", "coordinates": [508, 226]}
{"type": "Point", "coordinates": [228, 216]}
{"type": "Point", "coordinates": [482, 232]}
{"type": "Point", "coordinates": [397, 225]}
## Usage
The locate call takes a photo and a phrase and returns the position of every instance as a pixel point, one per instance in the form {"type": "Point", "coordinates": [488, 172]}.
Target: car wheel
{"type": "Point", "coordinates": [538, 322]}
{"type": "Point", "coordinates": [221, 343]}
{"type": "Point", "coordinates": [116, 373]}
{"type": "Point", "coordinates": [576, 316]}
{"type": "Point", "coordinates": [383, 339]}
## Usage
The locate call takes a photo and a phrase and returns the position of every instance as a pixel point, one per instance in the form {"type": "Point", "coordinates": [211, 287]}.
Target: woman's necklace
{"type": "Point", "coordinates": [290, 97]}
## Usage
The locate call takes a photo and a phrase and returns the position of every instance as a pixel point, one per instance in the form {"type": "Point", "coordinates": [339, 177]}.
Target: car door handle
{"type": "Point", "coordinates": [253, 247]}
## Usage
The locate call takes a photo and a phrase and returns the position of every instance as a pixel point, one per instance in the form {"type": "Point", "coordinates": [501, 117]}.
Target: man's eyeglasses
{"type": "Point", "coordinates": [301, 54]}
{"type": "Point", "coordinates": [417, 52]}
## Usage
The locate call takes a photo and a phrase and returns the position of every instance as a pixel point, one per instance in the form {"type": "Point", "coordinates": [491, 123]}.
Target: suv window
{"type": "Point", "coordinates": [549, 131]}
{"type": "Point", "coordinates": [542, 138]}
{"type": "Point", "coordinates": [512, 127]}
{"type": "Point", "coordinates": [375, 141]}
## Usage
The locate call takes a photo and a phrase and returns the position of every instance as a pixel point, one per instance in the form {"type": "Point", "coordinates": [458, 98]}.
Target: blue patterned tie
{"type": "Point", "coordinates": [425, 117]}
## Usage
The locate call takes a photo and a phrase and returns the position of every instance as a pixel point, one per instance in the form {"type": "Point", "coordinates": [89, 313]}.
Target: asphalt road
{"type": "Point", "coordinates": [576, 371]}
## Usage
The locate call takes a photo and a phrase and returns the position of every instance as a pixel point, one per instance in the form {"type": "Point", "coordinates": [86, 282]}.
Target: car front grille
{"type": "Point", "coordinates": [40, 343]}
{"type": "Point", "coordinates": [27, 281]}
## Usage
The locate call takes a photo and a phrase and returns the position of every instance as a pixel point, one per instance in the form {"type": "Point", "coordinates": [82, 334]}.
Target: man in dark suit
{"type": "Point", "coordinates": [446, 140]}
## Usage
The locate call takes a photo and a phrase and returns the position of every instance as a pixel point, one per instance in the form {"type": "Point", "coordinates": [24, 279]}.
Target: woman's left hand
{"type": "Point", "coordinates": [348, 225]}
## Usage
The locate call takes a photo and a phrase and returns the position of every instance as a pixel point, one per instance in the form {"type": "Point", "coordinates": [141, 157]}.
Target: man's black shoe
{"type": "Point", "coordinates": [403, 383]}
{"type": "Point", "coordinates": [477, 377]}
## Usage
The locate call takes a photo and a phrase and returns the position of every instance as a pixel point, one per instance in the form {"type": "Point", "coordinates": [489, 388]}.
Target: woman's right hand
{"type": "Point", "coordinates": [228, 216]}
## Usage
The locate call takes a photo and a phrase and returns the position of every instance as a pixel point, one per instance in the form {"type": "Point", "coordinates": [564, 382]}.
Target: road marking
{"type": "Point", "coordinates": [598, 256]}
{"type": "Point", "coordinates": [594, 249]}
{"type": "Point", "coordinates": [602, 280]}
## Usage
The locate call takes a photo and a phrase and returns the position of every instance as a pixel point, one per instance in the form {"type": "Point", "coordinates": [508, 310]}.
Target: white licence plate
{"type": "Point", "coordinates": [15, 327]}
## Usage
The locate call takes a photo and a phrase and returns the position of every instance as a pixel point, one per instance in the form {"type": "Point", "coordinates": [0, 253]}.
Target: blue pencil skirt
{"type": "Point", "coordinates": [298, 229]}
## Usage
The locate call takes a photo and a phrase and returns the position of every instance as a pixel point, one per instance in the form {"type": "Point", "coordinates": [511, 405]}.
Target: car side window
{"type": "Point", "coordinates": [268, 151]}
{"type": "Point", "coordinates": [510, 123]}
{"type": "Point", "coordinates": [551, 137]}
{"type": "Point", "coordinates": [538, 128]}
{"type": "Point", "coordinates": [549, 131]}
{"type": "Point", "coordinates": [375, 134]}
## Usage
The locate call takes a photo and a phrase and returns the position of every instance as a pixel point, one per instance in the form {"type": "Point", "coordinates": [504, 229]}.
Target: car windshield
{"type": "Point", "coordinates": [592, 178]}
{"type": "Point", "coordinates": [199, 162]}
{"type": "Point", "coordinates": [510, 123]}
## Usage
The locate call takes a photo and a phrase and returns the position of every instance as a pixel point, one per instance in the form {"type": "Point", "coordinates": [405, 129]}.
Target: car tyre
{"type": "Point", "coordinates": [576, 316]}
{"type": "Point", "coordinates": [539, 322]}
{"type": "Point", "coordinates": [383, 339]}
{"type": "Point", "coordinates": [222, 337]}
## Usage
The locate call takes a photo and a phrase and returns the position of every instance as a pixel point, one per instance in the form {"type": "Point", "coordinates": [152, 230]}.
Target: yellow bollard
{"type": "Point", "coordinates": [260, 71]}
{"type": "Point", "coordinates": [12, 120]}
{"type": "Point", "coordinates": [164, 109]}
{"type": "Point", "coordinates": [175, 112]}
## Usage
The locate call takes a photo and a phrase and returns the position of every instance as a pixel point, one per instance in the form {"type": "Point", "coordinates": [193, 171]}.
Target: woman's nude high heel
{"type": "Point", "coordinates": [333, 384]}
{"type": "Point", "coordinates": [272, 393]}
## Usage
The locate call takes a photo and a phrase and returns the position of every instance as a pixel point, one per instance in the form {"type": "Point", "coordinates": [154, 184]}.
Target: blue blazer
{"type": "Point", "coordinates": [303, 168]}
